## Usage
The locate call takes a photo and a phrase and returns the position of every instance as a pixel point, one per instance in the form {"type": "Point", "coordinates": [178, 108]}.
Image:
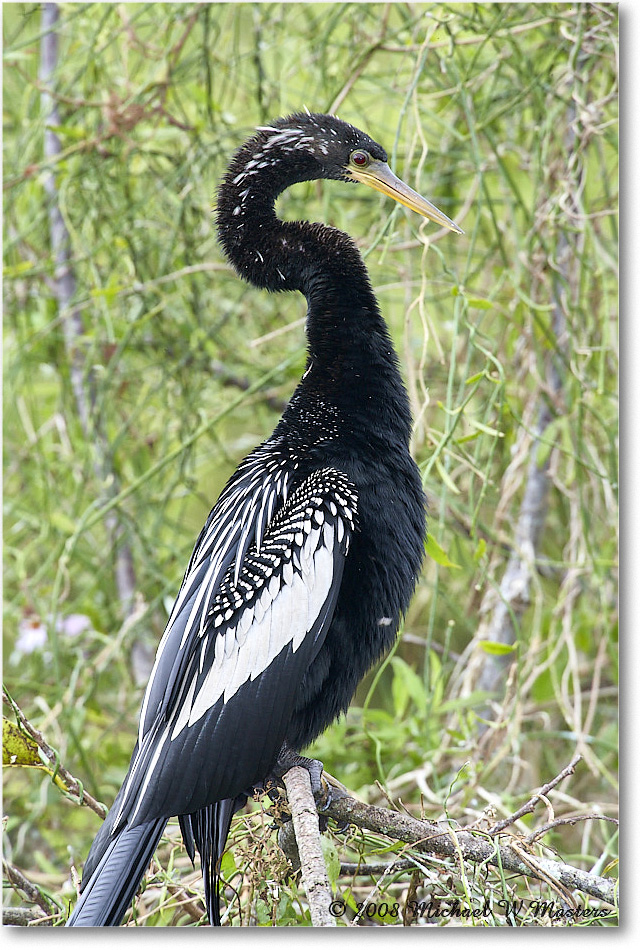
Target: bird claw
{"type": "Point", "coordinates": [323, 797]}
{"type": "Point", "coordinates": [288, 759]}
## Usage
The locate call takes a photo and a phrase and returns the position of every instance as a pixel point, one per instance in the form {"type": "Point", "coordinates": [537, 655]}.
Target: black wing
{"type": "Point", "coordinates": [245, 507]}
{"type": "Point", "coordinates": [225, 681]}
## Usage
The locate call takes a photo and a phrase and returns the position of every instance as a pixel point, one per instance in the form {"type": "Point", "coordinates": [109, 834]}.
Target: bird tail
{"type": "Point", "coordinates": [207, 829]}
{"type": "Point", "coordinates": [108, 890]}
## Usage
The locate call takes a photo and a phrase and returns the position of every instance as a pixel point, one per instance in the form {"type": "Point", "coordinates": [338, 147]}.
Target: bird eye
{"type": "Point", "coordinates": [360, 159]}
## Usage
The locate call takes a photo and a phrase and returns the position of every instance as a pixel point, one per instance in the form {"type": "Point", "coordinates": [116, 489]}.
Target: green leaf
{"type": "Point", "coordinates": [497, 649]}
{"type": "Point", "coordinates": [445, 477]}
{"type": "Point", "coordinates": [228, 864]}
{"type": "Point", "coordinates": [18, 270]}
{"type": "Point", "coordinates": [348, 897]}
{"type": "Point", "coordinates": [480, 303]}
{"type": "Point", "coordinates": [14, 56]}
{"type": "Point", "coordinates": [406, 685]}
{"type": "Point", "coordinates": [70, 132]}
{"type": "Point", "coordinates": [487, 429]}
{"type": "Point", "coordinates": [476, 698]}
{"type": "Point", "coordinates": [436, 552]}
{"type": "Point", "coordinates": [63, 523]}
{"type": "Point", "coordinates": [263, 913]}
{"type": "Point", "coordinates": [331, 857]}
{"type": "Point", "coordinates": [436, 682]}
{"type": "Point", "coordinates": [547, 442]}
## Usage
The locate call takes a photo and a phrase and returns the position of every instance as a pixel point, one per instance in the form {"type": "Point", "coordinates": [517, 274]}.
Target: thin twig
{"type": "Point", "coordinates": [193, 906]}
{"type": "Point", "coordinates": [361, 65]}
{"type": "Point", "coordinates": [407, 915]}
{"type": "Point", "coordinates": [571, 820]}
{"type": "Point", "coordinates": [476, 39]}
{"type": "Point", "coordinates": [32, 892]}
{"type": "Point", "coordinates": [72, 785]}
{"type": "Point", "coordinates": [531, 804]}
{"type": "Point", "coordinates": [229, 378]}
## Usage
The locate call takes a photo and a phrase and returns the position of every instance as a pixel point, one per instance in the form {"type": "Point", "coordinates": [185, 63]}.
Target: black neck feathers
{"type": "Point", "coordinates": [278, 255]}
{"type": "Point", "coordinates": [349, 344]}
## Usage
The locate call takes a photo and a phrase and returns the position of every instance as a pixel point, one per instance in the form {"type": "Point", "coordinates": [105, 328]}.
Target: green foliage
{"type": "Point", "coordinates": [505, 116]}
{"type": "Point", "coordinates": [437, 553]}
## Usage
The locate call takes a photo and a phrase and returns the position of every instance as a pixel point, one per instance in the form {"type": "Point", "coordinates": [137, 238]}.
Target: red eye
{"type": "Point", "coordinates": [360, 159]}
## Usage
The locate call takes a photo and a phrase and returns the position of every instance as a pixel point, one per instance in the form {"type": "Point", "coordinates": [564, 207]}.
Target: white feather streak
{"type": "Point", "coordinates": [283, 614]}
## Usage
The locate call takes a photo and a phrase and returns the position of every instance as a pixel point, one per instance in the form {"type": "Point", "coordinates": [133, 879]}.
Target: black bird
{"type": "Point", "coordinates": [307, 561]}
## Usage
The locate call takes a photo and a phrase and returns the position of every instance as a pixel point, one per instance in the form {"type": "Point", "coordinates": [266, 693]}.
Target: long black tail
{"type": "Point", "coordinates": [108, 890]}
{"type": "Point", "coordinates": [208, 830]}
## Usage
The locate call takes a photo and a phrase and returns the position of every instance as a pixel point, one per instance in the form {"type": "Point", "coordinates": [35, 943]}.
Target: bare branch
{"type": "Point", "coordinates": [530, 805]}
{"type": "Point", "coordinates": [306, 828]}
{"type": "Point", "coordinates": [571, 820]}
{"type": "Point", "coordinates": [449, 840]}
{"type": "Point", "coordinates": [32, 892]}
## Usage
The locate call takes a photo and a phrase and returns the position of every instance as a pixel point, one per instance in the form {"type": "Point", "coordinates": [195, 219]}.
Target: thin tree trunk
{"type": "Point", "coordinates": [504, 607]}
{"type": "Point", "coordinates": [64, 288]}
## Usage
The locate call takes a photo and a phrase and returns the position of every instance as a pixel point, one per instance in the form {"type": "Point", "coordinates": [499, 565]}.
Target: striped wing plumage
{"type": "Point", "coordinates": [227, 673]}
{"type": "Point", "coordinates": [247, 504]}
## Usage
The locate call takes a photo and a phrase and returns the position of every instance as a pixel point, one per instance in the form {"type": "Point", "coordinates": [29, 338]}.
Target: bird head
{"type": "Point", "coordinates": [323, 146]}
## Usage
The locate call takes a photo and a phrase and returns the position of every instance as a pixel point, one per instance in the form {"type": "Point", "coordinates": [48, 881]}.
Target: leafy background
{"type": "Point", "coordinates": [127, 407]}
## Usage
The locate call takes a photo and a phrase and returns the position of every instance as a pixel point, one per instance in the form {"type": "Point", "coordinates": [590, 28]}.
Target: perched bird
{"type": "Point", "coordinates": [307, 562]}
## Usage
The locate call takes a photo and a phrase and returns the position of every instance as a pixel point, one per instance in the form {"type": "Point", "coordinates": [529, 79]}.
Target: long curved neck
{"type": "Point", "coordinates": [350, 350]}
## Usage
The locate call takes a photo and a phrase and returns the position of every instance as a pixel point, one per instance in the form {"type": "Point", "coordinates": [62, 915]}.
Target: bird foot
{"type": "Point", "coordinates": [288, 759]}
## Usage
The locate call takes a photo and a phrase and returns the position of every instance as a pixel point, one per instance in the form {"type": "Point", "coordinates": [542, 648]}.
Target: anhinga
{"type": "Point", "coordinates": [308, 560]}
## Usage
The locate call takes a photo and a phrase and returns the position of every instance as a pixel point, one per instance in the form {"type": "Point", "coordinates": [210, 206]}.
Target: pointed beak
{"type": "Point", "coordinates": [379, 176]}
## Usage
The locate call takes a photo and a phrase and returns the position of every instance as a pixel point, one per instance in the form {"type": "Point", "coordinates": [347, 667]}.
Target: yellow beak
{"type": "Point", "coordinates": [379, 176]}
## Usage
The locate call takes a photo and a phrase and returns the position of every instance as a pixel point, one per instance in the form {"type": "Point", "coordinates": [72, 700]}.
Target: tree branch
{"type": "Point", "coordinates": [72, 786]}
{"type": "Point", "coordinates": [306, 828]}
{"type": "Point", "coordinates": [529, 806]}
{"type": "Point", "coordinates": [448, 840]}
{"type": "Point", "coordinates": [16, 878]}
{"type": "Point", "coordinates": [25, 917]}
